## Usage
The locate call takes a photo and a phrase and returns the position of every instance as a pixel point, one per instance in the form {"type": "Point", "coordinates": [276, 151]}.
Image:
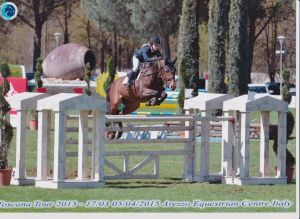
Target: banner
{"type": "Point", "coordinates": [17, 85]}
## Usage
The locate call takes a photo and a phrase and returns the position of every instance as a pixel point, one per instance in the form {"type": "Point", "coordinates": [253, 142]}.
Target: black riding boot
{"type": "Point", "coordinates": [131, 76]}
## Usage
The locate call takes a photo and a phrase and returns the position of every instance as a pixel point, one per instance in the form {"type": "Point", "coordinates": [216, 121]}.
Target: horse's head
{"type": "Point", "coordinates": [167, 72]}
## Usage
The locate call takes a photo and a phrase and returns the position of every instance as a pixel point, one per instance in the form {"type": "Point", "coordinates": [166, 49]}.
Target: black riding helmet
{"type": "Point", "coordinates": [155, 39]}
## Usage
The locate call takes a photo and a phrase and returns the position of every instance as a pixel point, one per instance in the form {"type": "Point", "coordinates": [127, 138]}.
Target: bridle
{"type": "Point", "coordinates": [159, 72]}
{"type": "Point", "coordinates": [166, 68]}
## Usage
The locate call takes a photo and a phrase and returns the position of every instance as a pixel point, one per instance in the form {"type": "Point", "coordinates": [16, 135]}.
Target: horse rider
{"type": "Point", "coordinates": [147, 53]}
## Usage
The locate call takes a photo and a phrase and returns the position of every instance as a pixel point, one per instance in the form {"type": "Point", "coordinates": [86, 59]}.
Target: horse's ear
{"type": "Point", "coordinates": [174, 61]}
{"type": "Point", "coordinates": [167, 62]}
{"type": "Point", "coordinates": [166, 59]}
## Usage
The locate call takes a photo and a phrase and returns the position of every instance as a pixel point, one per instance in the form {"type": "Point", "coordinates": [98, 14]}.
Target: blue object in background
{"type": "Point", "coordinates": [29, 75]}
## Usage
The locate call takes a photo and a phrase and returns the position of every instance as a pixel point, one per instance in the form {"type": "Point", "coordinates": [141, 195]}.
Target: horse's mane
{"type": "Point", "coordinates": [150, 64]}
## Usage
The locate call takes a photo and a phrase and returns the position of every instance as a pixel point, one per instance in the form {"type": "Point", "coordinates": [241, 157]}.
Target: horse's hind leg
{"type": "Point", "coordinates": [129, 108]}
{"type": "Point", "coordinates": [119, 133]}
{"type": "Point", "coordinates": [114, 110]}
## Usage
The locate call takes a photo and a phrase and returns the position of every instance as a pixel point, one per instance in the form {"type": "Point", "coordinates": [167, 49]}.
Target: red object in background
{"type": "Point", "coordinates": [41, 90]}
{"type": "Point", "coordinates": [17, 85]}
{"type": "Point", "coordinates": [206, 76]}
{"type": "Point", "coordinates": [78, 90]}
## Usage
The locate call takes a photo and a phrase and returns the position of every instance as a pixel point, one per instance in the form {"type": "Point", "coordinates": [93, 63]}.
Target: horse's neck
{"type": "Point", "coordinates": [149, 80]}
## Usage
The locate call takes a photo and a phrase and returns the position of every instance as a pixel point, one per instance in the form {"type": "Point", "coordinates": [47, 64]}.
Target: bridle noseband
{"type": "Point", "coordinates": [166, 68]}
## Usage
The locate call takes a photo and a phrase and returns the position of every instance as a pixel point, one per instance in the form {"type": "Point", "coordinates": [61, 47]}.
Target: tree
{"type": "Point", "coordinates": [188, 47]}
{"type": "Point", "coordinates": [35, 13]}
{"type": "Point", "coordinates": [4, 32]}
{"type": "Point", "coordinates": [64, 15]}
{"type": "Point", "coordinates": [183, 81]}
{"type": "Point", "coordinates": [284, 16]}
{"type": "Point", "coordinates": [91, 35]}
{"type": "Point", "coordinates": [261, 13]}
{"type": "Point", "coordinates": [112, 15]}
{"type": "Point", "coordinates": [217, 29]}
{"type": "Point", "coordinates": [203, 48]}
{"type": "Point", "coordinates": [156, 17]}
{"type": "Point", "coordinates": [238, 47]}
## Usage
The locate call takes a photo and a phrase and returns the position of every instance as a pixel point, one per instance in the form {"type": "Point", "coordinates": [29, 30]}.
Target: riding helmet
{"type": "Point", "coordinates": [155, 39]}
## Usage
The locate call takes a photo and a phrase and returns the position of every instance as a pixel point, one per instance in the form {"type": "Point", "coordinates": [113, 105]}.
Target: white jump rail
{"type": "Point", "coordinates": [189, 143]}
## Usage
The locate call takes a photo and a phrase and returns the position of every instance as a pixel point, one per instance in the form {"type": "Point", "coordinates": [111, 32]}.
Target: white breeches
{"type": "Point", "coordinates": [135, 63]}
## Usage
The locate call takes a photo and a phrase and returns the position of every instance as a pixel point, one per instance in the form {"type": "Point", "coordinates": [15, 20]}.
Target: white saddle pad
{"type": "Point", "coordinates": [125, 80]}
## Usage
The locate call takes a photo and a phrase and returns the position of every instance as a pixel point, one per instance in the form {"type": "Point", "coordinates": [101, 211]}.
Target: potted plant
{"type": "Point", "coordinates": [87, 78]}
{"type": "Point", "coordinates": [33, 122]}
{"type": "Point", "coordinates": [286, 96]}
{"type": "Point", "coordinates": [6, 130]}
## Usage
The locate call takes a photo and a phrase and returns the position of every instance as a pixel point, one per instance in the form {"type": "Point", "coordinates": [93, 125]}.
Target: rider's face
{"type": "Point", "coordinates": [155, 46]}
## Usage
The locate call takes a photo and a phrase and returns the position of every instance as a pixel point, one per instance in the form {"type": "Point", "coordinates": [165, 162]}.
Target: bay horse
{"type": "Point", "coordinates": [147, 88]}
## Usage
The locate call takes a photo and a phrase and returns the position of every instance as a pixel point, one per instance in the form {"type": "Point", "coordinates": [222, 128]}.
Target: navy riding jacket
{"type": "Point", "coordinates": [145, 54]}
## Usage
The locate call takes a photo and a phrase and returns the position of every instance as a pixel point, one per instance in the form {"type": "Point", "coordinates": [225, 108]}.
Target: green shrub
{"type": "Point", "coordinates": [6, 130]}
{"type": "Point", "coordinates": [39, 72]}
{"type": "Point", "coordinates": [87, 78]}
{"type": "Point", "coordinates": [111, 73]}
{"type": "Point", "coordinates": [290, 121]}
{"type": "Point", "coordinates": [100, 81]}
{"type": "Point", "coordinates": [16, 71]}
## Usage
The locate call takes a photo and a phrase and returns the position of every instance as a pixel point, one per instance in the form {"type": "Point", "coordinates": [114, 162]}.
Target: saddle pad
{"type": "Point", "coordinates": [125, 80]}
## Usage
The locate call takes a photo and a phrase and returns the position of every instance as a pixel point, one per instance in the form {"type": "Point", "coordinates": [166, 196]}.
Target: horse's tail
{"type": "Point", "coordinates": [107, 91]}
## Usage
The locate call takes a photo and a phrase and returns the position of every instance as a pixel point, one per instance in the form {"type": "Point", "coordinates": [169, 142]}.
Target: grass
{"type": "Point", "coordinates": [170, 186]}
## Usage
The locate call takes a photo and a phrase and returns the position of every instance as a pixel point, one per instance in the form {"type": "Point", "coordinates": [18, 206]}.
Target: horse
{"type": "Point", "coordinates": [147, 88]}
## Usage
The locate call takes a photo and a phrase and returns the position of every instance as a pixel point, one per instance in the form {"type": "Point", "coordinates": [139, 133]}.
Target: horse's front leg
{"type": "Point", "coordinates": [163, 96]}
{"type": "Point", "coordinates": [152, 101]}
{"type": "Point", "coordinates": [158, 99]}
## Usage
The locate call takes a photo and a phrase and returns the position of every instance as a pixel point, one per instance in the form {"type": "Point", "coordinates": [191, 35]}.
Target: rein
{"type": "Point", "coordinates": [154, 72]}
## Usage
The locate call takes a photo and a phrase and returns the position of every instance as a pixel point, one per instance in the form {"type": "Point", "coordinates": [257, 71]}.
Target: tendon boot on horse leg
{"type": "Point", "coordinates": [162, 98]}
{"type": "Point", "coordinates": [152, 101]}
